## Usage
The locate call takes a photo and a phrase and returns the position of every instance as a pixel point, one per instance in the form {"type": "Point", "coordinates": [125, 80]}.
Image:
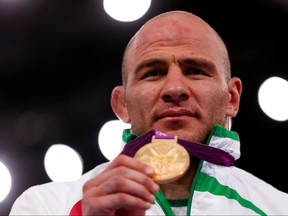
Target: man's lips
{"type": "Point", "coordinates": [175, 113]}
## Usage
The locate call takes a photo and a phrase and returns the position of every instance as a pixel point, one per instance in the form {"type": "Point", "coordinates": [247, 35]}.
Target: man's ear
{"type": "Point", "coordinates": [235, 90]}
{"type": "Point", "coordinates": [118, 104]}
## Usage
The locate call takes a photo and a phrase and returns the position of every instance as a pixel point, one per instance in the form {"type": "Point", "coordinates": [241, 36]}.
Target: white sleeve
{"type": "Point", "coordinates": [29, 203]}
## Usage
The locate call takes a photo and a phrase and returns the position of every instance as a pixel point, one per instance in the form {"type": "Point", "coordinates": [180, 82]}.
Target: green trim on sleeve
{"type": "Point", "coordinates": [210, 184]}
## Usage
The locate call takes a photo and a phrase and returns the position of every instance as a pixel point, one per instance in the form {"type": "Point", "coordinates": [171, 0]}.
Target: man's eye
{"type": "Point", "coordinates": [153, 73]}
{"type": "Point", "coordinates": [194, 71]}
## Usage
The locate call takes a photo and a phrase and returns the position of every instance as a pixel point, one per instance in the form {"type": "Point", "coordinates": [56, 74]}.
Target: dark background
{"type": "Point", "coordinates": [60, 59]}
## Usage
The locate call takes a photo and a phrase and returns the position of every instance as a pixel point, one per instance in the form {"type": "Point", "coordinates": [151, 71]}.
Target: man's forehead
{"type": "Point", "coordinates": [171, 27]}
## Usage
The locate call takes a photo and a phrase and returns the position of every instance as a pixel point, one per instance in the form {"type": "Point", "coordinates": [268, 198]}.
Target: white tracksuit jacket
{"type": "Point", "coordinates": [216, 190]}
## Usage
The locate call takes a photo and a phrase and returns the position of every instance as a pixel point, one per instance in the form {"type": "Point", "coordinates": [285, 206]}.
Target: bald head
{"type": "Point", "coordinates": [177, 26]}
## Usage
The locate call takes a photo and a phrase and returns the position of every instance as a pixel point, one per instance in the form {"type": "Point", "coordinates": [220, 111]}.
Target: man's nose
{"type": "Point", "coordinates": [175, 88]}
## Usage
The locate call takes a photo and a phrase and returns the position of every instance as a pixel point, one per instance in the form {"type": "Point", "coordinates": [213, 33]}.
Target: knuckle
{"type": "Point", "coordinates": [117, 181]}
{"type": "Point", "coordinates": [86, 186]}
{"type": "Point", "coordinates": [121, 159]}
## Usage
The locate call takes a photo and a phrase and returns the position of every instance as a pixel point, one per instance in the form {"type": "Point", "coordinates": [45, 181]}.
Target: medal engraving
{"type": "Point", "coordinates": [169, 159]}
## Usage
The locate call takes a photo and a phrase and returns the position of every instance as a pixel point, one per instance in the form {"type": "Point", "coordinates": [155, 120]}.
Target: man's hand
{"type": "Point", "coordinates": [124, 187]}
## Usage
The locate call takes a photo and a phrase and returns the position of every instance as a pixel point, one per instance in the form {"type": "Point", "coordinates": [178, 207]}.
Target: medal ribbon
{"type": "Point", "coordinates": [198, 150]}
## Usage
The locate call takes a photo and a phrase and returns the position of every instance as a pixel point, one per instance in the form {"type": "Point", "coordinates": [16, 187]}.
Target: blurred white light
{"type": "Point", "coordinates": [126, 10]}
{"type": "Point", "coordinates": [273, 98]}
{"type": "Point", "coordinates": [62, 163]}
{"type": "Point", "coordinates": [5, 181]}
{"type": "Point", "coordinates": [110, 138]}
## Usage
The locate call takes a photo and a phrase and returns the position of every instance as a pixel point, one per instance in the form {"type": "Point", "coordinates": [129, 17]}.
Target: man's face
{"type": "Point", "coordinates": [175, 81]}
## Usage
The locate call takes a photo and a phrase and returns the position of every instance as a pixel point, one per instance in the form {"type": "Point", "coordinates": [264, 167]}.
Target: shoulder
{"type": "Point", "coordinates": [53, 197]}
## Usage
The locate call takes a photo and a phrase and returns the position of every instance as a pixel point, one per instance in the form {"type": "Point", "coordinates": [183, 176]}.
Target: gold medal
{"type": "Point", "coordinates": [169, 159]}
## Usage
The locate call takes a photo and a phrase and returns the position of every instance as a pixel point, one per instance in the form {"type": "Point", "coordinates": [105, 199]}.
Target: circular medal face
{"type": "Point", "coordinates": [169, 160]}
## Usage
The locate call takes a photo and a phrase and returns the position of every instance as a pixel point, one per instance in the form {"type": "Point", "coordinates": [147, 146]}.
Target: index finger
{"type": "Point", "coordinates": [127, 161]}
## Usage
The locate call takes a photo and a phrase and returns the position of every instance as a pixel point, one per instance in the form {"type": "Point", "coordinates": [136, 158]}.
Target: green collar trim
{"type": "Point", "coordinates": [178, 203]}
{"type": "Point", "coordinates": [127, 135]}
{"type": "Point", "coordinates": [164, 204]}
{"type": "Point", "coordinates": [218, 130]}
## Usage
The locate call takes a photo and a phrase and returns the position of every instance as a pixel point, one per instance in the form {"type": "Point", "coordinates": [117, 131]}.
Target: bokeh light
{"type": "Point", "coordinates": [126, 10]}
{"type": "Point", "coordinates": [273, 98]}
{"type": "Point", "coordinates": [109, 136]}
{"type": "Point", "coordinates": [62, 163]}
{"type": "Point", "coordinates": [5, 181]}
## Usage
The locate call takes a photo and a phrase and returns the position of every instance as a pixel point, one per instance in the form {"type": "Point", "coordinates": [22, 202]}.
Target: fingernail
{"type": "Point", "coordinates": [152, 198]}
{"type": "Point", "coordinates": [156, 188]}
{"type": "Point", "coordinates": [149, 170]}
{"type": "Point", "coordinates": [148, 205]}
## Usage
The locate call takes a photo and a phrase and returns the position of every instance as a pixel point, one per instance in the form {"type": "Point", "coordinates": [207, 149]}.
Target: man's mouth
{"type": "Point", "coordinates": [175, 113]}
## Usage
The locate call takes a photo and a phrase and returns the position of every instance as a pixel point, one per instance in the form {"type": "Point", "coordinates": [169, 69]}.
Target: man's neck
{"type": "Point", "coordinates": [180, 189]}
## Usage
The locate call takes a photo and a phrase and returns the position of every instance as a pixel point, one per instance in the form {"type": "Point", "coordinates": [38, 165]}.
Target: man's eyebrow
{"type": "Point", "coordinates": [201, 62]}
{"type": "Point", "coordinates": [150, 63]}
